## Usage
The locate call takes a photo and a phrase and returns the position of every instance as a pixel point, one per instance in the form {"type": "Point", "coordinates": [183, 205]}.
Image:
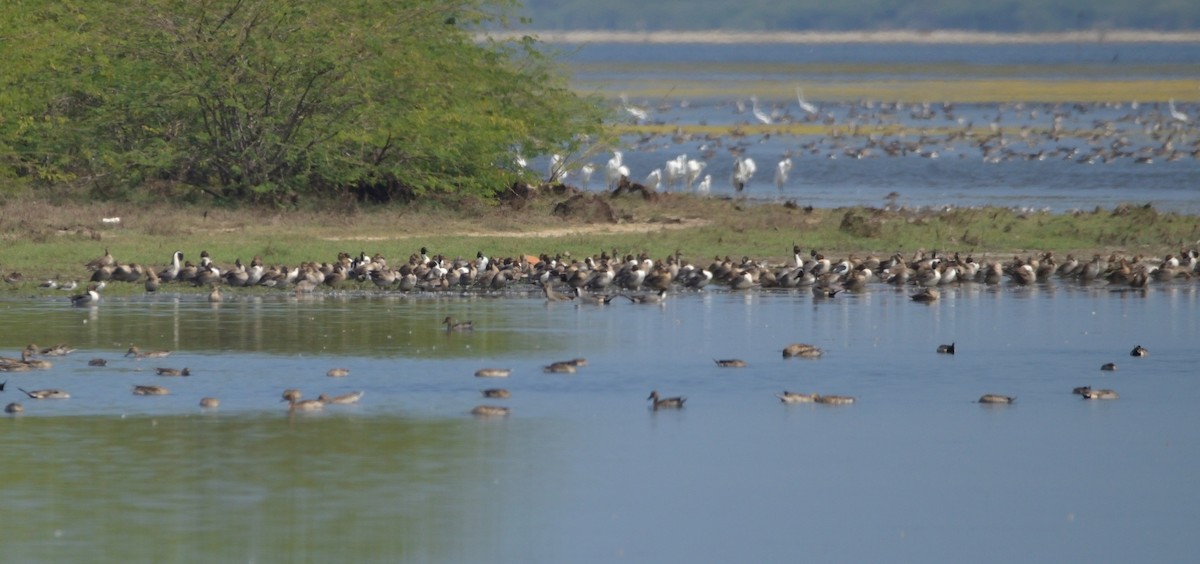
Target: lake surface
{"type": "Point", "coordinates": [1113, 153]}
{"type": "Point", "coordinates": [583, 470]}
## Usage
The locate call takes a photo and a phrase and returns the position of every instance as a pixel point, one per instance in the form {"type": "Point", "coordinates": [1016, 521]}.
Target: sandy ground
{"type": "Point", "coordinates": [816, 37]}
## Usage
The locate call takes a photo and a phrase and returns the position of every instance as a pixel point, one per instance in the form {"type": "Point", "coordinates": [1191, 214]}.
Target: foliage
{"type": "Point", "coordinates": [272, 101]}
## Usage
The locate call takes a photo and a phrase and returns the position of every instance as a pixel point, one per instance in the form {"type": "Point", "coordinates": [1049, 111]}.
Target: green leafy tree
{"type": "Point", "coordinates": [271, 101]}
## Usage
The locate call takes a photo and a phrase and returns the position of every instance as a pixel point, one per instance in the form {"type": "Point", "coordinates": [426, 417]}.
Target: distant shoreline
{"type": "Point", "coordinates": [820, 37]}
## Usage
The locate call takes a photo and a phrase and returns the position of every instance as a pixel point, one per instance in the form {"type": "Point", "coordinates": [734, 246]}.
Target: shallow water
{"type": "Point", "coordinates": [583, 470]}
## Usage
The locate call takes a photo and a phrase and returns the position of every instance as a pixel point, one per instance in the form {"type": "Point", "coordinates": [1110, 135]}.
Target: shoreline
{"type": "Point", "coordinates": [937, 37]}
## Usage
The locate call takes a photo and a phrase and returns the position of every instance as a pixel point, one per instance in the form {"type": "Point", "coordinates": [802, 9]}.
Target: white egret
{"type": "Point", "coordinates": [781, 172]}
{"type": "Point", "coordinates": [585, 174]}
{"type": "Point", "coordinates": [760, 115]}
{"type": "Point", "coordinates": [613, 170]}
{"type": "Point", "coordinates": [675, 169]}
{"type": "Point", "coordinates": [653, 179]}
{"type": "Point", "coordinates": [1176, 114]}
{"type": "Point", "coordinates": [804, 104]}
{"type": "Point", "coordinates": [694, 168]}
{"type": "Point", "coordinates": [743, 171]}
{"type": "Point", "coordinates": [637, 113]}
{"type": "Point", "coordinates": [705, 185]}
{"type": "Point", "coordinates": [558, 172]}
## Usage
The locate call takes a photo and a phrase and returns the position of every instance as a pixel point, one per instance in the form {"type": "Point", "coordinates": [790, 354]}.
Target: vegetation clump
{"type": "Point", "coordinates": [274, 101]}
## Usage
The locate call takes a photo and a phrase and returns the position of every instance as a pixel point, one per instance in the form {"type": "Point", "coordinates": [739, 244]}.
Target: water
{"type": "Point", "coordinates": [583, 470]}
{"type": "Point", "coordinates": [1020, 169]}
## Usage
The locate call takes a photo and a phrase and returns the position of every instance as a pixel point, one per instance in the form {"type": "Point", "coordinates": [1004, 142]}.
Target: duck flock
{"type": "Point", "coordinates": [600, 279]}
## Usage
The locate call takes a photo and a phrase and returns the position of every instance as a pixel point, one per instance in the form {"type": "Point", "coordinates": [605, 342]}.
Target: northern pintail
{"type": "Point", "coordinates": [344, 399]}
{"type": "Point", "coordinates": [559, 368]}
{"type": "Point", "coordinates": [338, 372]}
{"type": "Point", "coordinates": [91, 297]}
{"type": "Point", "coordinates": [136, 352]}
{"type": "Point", "coordinates": [996, 398]}
{"type": "Point", "coordinates": [453, 324]}
{"type": "Point", "coordinates": [498, 393]}
{"type": "Point", "coordinates": [1139, 351]}
{"type": "Point", "coordinates": [554, 296]}
{"type": "Point", "coordinates": [14, 408]}
{"type": "Point", "coordinates": [489, 411]}
{"type": "Point", "coordinates": [1086, 392]}
{"type": "Point", "coordinates": [210, 403]}
{"type": "Point", "coordinates": [796, 397]}
{"type": "Point", "coordinates": [665, 403]}
{"type": "Point", "coordinates": [801, 350]}
{"type": "Point", "coordinates": [292, 397]}
{"type": "Point", "coordinates": [730, 362]}
{"type": "Point", "coordinates": [1108, 367]}
{"type": "Point", "coordinates": [97, 362]}
{"type": "Point", "coordinates": [655, 298]}
{"type": "Point", "coordinates": [594, 299]}
{"type": "Point", "coordinates": [139, 390]}
{"type": "Point", "coordinates": [46, 394]}
{"type": "Point", "coordinates": [493, 372]}
{"type": "Point", "coordinates": [926, 295]}
{"type": "Point", "coordinates": [172, 372]}
{"type": "Point", "coordinates": [946, 349]}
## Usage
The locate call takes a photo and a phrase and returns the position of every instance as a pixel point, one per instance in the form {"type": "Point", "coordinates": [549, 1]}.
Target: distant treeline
{"type": "Point", "coordinates": [823, 15]}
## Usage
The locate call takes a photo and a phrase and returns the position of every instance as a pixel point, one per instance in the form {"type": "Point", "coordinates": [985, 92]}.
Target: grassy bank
{"type": "Point", "coordinates": [42, 240]}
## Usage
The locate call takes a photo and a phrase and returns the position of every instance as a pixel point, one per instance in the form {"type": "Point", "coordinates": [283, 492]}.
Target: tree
{"type": "Point", "coordinates": [270, 101]}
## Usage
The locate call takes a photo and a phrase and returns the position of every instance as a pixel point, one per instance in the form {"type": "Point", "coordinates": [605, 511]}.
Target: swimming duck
{"type": "Point", "coordinates": [926, 295]}
{"type": "Point", "coordinates": [57, 350]}
{"type": "Point", "coordinates": [338, 372]}
{"type": "Point", "coordinates": [834, 400]}
{"type": "Point", "coordinates": [215, 295]}
{"type": "Point", "coordinates": [493, 372]}
{"type": "Point", "coordinates": [666, 403]}
{"type": "Point", "coordinates": [1139, 351]}
{"type": "Point", "coordinates": [499, 393]}
{"type": "Point", "coordinates": [489, 411]}
{"type": "Point", "coordinates": [14, 408]}
{"type": "Point", "coordinates": [292, 397]}
{"type": "Point", "coordinates": [38, 364]}
{"type": "Point", "coordinates": [1089, 393]}
{"type": "Point", "coordinates": [91, 297]}
{"type": "Point", "coordinates": [46, 394]}
{"type": "Point", "coordinates": [210, 403]}
{"type": "Point", "coordinates": [730, 363]}
{"type": "Point", "coordinates": [996, 398]}
{"type": "Point", "coordinates": [559, 368]}
{"type": "Point", "coordinates": [135, 352]}
{"type": "Point", "coordinates": [554, 296]}
{"type": "Point", "coordinates": [97, 362]}
{"type": "Point", "coordinates": [576, 362]}
{"type": "Point", "coordinates": [344, 399]}
{"type": "Point", "coordinates": [150, 391]}
{"type": "Point", "coordinates": [801, 350]}
{"type": "Point", "coordinates": [455, 325]}
{"type": "Point", "coordinates": [1108, 367]}
{"type": "Point", "coordinates": [655, 298]}
{"type": "Point", "coordinates": [796, 397]}
{"type": "Point", "coordinates": [946, 349]}
{"type": "Point", "coordinates": [172, 372]}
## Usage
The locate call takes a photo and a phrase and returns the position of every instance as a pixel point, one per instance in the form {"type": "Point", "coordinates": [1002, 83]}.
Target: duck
{"type": "Point", "coordinates": [60, 349]}
{"type": "Point", "coordinates": [210, 403]}
{"type": "Point", "coordinates": [97, 362]}
{"type": "Point", "coordinates": [52, 393]}
{"type": "Point", "coordinates": [730, 363]}
{"type": "Point", "coordinates": [33, 362]}
{"type": "Point", "coordinates": [1108, 367]}
{"type": "Point", "coordinates": [796, 397]}
{"type": "Point", "coordinates": [493, 372]}
{"type": "Point", "coordinates": [593, 299]}
{"type": "Point", "coordinates": [655, 298]}
{"type": "Point", "coordinates": [559, 368]}
{"type": "Point", "coordinates": [1139, 351]}
{"type": "Point", "coordinates": [91, 297]}
{"type": "Point", "coordinates": [490, 411]}
{"type": "Point", "coordinates": [137, 353]}
{"type": "Point", "coordinates": [215, 295]}
{"type": "Point", "coordinates": [996, 398]}
{"type": "Point", "coordinates": [292, 397]}
{"type": "Point", "coordinates": [338, 372]}
{"type": "Point", "coordinates": [946, 349]}
{"type": "Point", "coordinates": [498, 393]}
{"type": "Point", "coordinates": [1088, 393]}
{"type": "Point", "coordinates": [834, 400]}
{"type": "Point", "coordinates": [14, 408]}
{"type": "Point", "coordinates": [554, 296]}
{"type": "Point", "coordinates": [665, 403]}
{"type": "Point", "coordinates": [173, 372]}
{"type": "Point", "coordinates": [801, 350]}
{"type": "Point", "coordinates": [926, 295]}
{"type": "Point", "coordinates": [139, 390]}
{"type": "Point", "coordinates": [344, 399]}
{"type": "Point", "coordinates": [455, 325]}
